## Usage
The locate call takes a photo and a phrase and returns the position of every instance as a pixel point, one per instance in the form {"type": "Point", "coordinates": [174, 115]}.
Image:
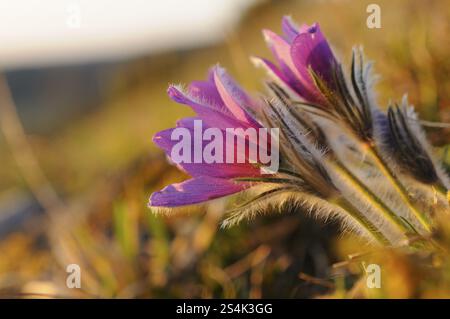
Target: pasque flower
{"type": "Point", "coordinates": [341, 156]}
{"type": "Point", "coordinates": [306, 61]}
{"type": "Point", "coordinates": [220, 103]}
{"type": "Point", "coordinates": [300, 51]}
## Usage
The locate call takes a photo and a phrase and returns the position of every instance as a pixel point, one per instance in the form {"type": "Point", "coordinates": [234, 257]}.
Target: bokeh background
{"type": "Point", "coordinates": [87, 83]}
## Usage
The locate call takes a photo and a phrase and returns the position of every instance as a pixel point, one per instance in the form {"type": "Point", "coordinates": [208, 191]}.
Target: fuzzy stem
{"type": "Point", "coordinates": [389, 174]}
{"type": "Point", "coordinates": [362, 220]}
{"type": "Point", "coordinates": [373, 199]}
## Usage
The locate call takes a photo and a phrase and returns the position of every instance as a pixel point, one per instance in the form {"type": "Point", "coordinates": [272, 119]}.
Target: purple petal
{"type": "Point", "coordinates": [194, 191]}
{"type": "Point", "coordinates": [278, 76]}
{"type": "Point", "coordinates": [222, 170]}
{"type": "Point", "coordinates": [206, 91]}
{"type": "Point", "coordinates": [211, 116]}
{"type": "Point", "coordinates": [233, 97]}
{"type": "Point", "coordinates": [311, 49]}
{"type": "Point", "coordinates": [188, 122]}
{"type": "Point", "coordinates": [304, 28]}
{"type": "Point", "coordinates": [292, 76]}
{"type": "Point", "coordinates": [163, 140]}
{"type": "Point", "coordinates": [290, 29]}
{"type": "Point", "coordinates": [282, 52]}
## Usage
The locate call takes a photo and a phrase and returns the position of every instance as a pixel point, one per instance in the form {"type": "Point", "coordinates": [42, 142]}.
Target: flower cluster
{"type": "Point", "coordinates": [340, 155]}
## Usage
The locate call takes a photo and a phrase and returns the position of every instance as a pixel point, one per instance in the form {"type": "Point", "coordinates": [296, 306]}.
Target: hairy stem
{"type": "Point", "coordinates": [373, 199]}
{"type": "Point", "coordinates": [389, 174]}
{"type": "Point", "coordinates": [362, 220]}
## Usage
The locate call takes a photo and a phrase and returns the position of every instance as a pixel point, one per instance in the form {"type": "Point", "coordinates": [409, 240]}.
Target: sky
{"type": "Point", "coordinates": [48, 32]}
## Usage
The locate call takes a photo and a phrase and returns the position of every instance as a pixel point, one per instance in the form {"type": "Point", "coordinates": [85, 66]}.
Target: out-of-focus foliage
{"type": "Point", "coordinates": [105, 166]}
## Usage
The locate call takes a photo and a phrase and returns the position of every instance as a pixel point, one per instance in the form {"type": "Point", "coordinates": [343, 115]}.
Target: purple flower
{"type": "Point", "coordinates": [300, 49]}
{"type": "Point", "coordinates": [219, 103]}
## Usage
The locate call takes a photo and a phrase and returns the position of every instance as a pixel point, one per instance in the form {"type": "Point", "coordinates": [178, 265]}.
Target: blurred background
{"type": "Point", "coordinates": [82, 92]}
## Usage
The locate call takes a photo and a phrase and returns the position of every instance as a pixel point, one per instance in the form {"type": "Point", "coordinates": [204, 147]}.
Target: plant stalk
{"type": "Point", "coordinates": [373, 199]}
{"type": "Point", "coordinates": [362, 220]}
{"type": "Point", "coordinates": [389, 174]}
